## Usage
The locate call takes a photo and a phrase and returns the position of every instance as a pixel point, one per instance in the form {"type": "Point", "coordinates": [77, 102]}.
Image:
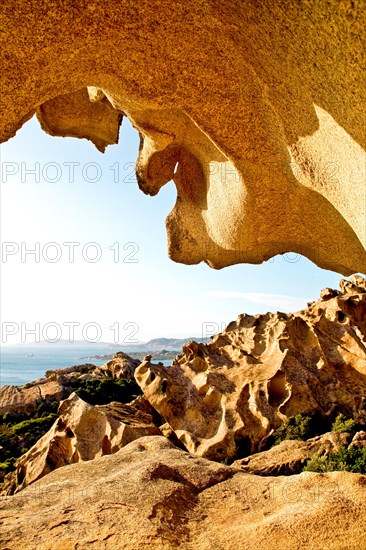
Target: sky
{"type": "Point", "coordinates": [84, 253]}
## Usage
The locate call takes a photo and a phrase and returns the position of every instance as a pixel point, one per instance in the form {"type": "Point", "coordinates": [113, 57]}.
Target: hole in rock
{"type": "Point", "coordinates": [82, 232]}
{"type": "Point", "coordinates": [106, 446]}
{"type": "Point", "coordinates": [69, 432]}
{"type": "Point", "coordinates": [277, 391]}
{"type": "Point", "coordinates": [20, 474]}
{"type": "Point", "coordinates": [341, 316]}
{"type": "Point", "coordinates": [243, 446]}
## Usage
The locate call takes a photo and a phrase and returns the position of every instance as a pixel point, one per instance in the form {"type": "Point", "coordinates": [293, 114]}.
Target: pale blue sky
{"type": "Point", "coordinates": [151, 297]}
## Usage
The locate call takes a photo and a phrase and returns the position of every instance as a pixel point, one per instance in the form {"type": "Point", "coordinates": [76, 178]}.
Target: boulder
{"type": "Point", "coordinates": [23, 400]}
{"type": "Point", "coordinates": [81, 433]}
{"type": "Point", "coordinates": [359, 440]}
{"type": "Point", "coordinates": [152, 495]}
{"type": "Point", "coordinates": [62, 374]}
{"type": "Point", "coordinates": [120, 366]}
{"type": "Point", "coordinates": [289, 457]}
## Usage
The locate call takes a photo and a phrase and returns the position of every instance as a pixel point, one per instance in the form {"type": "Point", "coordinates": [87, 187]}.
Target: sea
{"type": "Point", "coordinates": [21, 363]}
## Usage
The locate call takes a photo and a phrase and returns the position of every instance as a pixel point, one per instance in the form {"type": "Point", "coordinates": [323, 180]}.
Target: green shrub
{"type": "Point", "coordinates": [101, 391]}
{"type": "Point", "coordinates": [14, 438]}
{"type": "Point", "coordinates": [18, 433]}
{"type": "Point", "coordinates": [7, 417]}
{"type": "Point", "coordinates": [8, 465]}
{"type": "Point", "coordinates": [342, 424]}
{"type": "Point", "coordinates": [32, 427]}
{"type": "Point", "coordinates": [352, 459]}
{"type": "Point", "coordinates": [45, 409]}
{"type": "Point", "coordinates": [299, 426]}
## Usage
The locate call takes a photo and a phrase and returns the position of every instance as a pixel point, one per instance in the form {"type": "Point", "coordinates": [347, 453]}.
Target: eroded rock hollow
{"type": "Point", "coordinates": [224, 398]}
{"type": "Point", "coordinates": [254, 109]}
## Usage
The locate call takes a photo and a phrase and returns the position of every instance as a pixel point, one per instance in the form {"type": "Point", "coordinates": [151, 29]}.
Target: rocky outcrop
{"type": "Point", "coordinates": [223, 398]}
{"type": "Point", "coordinates": [23, 400]}
{"type": "Point", "coordinates": [120, 366]}
{"type": "Point", "coordinates": [58, 384]}
{"type": "Point", "coordinates": [81, 433]}
{"type": "Point", "coordinates": [289, 457]}
{"type": "Point", "coordinates": [152, 495]}
{"type": "Point", "coordinates": [63, 374]}
{"type": "Point", "coordinates": [81, 114]}
{"type": "Point", "coordinates": [257, 116]}
{"type": "Point", "coordinates": [359, 440]}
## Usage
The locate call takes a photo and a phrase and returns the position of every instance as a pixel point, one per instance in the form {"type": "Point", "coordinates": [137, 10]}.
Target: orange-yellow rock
{"type": "Point", "coordinates": [254, 109]}
{"type": "Point", "coordinates": [154, 496]}
{"type": "Point", "coordinates": [222, 399]}
{"type": "Point", "coordinates": [81, 433]}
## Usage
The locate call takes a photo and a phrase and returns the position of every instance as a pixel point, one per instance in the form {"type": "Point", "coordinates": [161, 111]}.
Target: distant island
{"type": "Point", "coordinates": [151, 347]}
{"type": "Point", "coordinates": [158, 344]}
{"type": "Point", "coordinates": [158, 348]}
{"type": "Point", "coordinates": [157, 355]}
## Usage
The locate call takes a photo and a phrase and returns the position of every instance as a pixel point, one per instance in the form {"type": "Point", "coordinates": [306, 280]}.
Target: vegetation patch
{"type": "Point", "coordinates": [300, 427]}
{"type": "Point", "coordinates": [343, 424]}
{"type": "Point", "coordinates": [303, 427]}
{"type": "Point", "coordinates": [351, 459]}
{"type": "Point", "coordinates": [101, 391]}
{"type": "Point", "coordinates": [19, 433]}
